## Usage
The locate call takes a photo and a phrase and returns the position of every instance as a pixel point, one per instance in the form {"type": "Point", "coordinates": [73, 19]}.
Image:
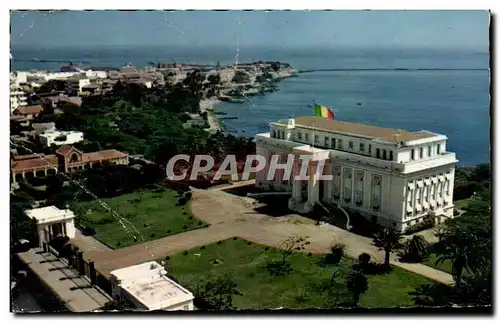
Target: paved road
{"type": "Point", "coordinates": [233, 216]}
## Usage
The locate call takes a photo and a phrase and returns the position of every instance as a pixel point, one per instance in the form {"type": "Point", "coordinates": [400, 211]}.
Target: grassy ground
{"type": "Point", "coordinates": [246, 264]}
{"type": "Point", "coordinates": [154, 216]}
{"type": "Point", "coordinates": [462, 204]}
{"type": "Point", "coordinates": [431, 261]}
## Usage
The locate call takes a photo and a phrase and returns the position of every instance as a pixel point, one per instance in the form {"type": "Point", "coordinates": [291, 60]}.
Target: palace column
{"type": "Point", "coordinates": [313, 186]}
{"type": "Point", "coordinates": [328, 191]}
{"type": "Point", "coordinates": [296, 186]}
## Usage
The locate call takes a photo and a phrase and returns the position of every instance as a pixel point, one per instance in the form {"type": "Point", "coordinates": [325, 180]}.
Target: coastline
{"type": "Point", "coordinates": [207, 105]}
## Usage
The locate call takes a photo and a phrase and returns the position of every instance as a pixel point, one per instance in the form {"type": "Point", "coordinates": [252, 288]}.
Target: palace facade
{"type": "Point", "coordinates": [392, 177]}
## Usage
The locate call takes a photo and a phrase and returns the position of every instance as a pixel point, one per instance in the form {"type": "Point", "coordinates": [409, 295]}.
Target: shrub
{"type": "Point", "coordinates": [202, 247]}
{"type": "Point", "coordinates": [364, 259]}
{"type": "Point", "coordinates": [234, 238]}
{"type": "Point", "coordinates": [266, 249]}
{"type": "Point", "coordinates": [249, 243]}
{"type": "Point", "coordinates": [185, 252]}
{"type": "Point", "coordinates": [184, 213]}
{"type": "Point", "coordinates": [169, 231]}
{"type": "Point", "coordinates": [185, 226]}
{"type": "Point", "coordinates": [118, 244]}
{"type": "Point", "coordinates": [428, 222]}
{"type": "Point", "coordinates": [200, 222]}
{"type": "Point", "coordinates": [219, 242]}
{"type": "Point", "coordinates": [190, 217]}
{"type": "Point", "coordinates": [153, 235]}
{"type": "Point", "coordinates": [181, 201]}
{"type": "Point", "coordinates": [309, 254]}
{"type": "Point", "coordinates": [167, 258]}
{"type": "Point", "coordinates": [188, 195]}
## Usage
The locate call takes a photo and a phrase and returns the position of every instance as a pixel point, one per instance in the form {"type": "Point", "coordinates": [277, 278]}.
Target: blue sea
{"type": "Point", "coordinates": [453, 102]}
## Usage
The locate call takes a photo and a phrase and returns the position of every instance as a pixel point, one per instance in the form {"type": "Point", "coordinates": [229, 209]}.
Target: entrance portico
{"type": "Point", "coordinates": [52, 222]}
{"type": "Point", "coordinates": [312, 157]}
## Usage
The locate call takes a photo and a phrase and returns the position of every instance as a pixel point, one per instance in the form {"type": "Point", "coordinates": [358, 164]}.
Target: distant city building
{"type": "Point", "coordinates": [29, 112]}
{"type": "Point", "coordinates": [54, 137]}
{"type": "Point", "coordinates": [392, 177]}
{"type": "Point", "coordinates": [147, 287]}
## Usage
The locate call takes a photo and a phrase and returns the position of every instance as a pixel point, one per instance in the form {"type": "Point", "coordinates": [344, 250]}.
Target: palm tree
{"type": "Point", "coordinates": [416, 248]}
{"type": "Point", "coordinates": [387, 239]}
{"type": "Point", "coordinates": [458, 248]}
{"type": "Point", "coordinates": [357, 284]}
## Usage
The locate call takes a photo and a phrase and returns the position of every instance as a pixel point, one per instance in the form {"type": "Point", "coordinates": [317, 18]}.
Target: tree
{"type": "Point", "coordinates": [357, 284]}
{"type": "Point", "coordinates": [21, 227]}
{"type": "Point", "coordinates": [220, 293]}
{"type": "Point", "coordinates": [54, 184]}
{"type": "Point", "coordinates": [336, 253]}
{"type": "Point", "coordinates": [416, 249]}
{"type": "Point", "coordinates": [292, 243]}
{"type": "Point", "coordinates": [364, 259]}
{"type": "Point", "coordinates": [461, 250]}
{"type": "Point", "coordinates": [440, 231]}
{"type": "Point", "coordinates": [389, 240]}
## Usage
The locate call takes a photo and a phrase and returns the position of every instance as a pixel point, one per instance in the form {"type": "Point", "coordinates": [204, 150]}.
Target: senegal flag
{"type": "Point", "coordinates": [322, 111]}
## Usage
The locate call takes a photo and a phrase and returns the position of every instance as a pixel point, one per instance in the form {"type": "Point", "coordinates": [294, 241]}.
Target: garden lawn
{"type": "Point", "coordinates": [444, 266]}
{"type": "Point", "coordinates": [154, 215]}
{"type": "Point", "coordinates": [246, 264]}
{"type": "Point", "coordinates": [462, 204]}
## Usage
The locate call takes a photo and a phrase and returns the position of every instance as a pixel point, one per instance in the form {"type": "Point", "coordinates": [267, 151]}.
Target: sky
{"type": "Point", "coordinates": [325, 29]}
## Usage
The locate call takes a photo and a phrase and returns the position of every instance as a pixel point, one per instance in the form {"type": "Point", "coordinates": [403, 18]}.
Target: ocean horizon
{"type": "Point", "coordinates": [453, 102]}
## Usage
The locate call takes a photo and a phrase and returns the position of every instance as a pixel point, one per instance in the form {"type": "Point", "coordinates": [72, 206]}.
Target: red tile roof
{"type": "Point", "coordinates": [103, 155]}
{"type": "Point", "coordinates": [26, 110]}
{"type": "Point", "coordinates": [67, 149]}
{"type": "Point", "coordinates": [39, 163]}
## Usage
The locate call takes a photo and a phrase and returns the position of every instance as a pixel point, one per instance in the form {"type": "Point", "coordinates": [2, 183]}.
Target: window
{"type": "Point", "coordinates": [385, 154]}
{"type": "Point", "coordinates": [340, 144]}
{"type": "Point", "coordinates": [299, 135]}
{"type": "Point", "coordinates": [306, 137]}
{"type": "Point", "coordinates": [327, 141]}
{"type": "Point", "coordinates": [333, 142]}
{"type": "Point", "coordinates": [390, 155]}
{"type": "Point", "coordinates": [439, 149]}
{"type": "Point", "coordinates": [429, 151]}
{"type": "Point", "coordinates": [274, 134]}
{"type": "Point", "coordinates": [351, 145]}
{"type": "Point", "coordinates": [316, 139]}
{"type": "Point", "coordinates": [413, 154]}
{"type": "Point", "coordinates": [361, 147]}
{"type": "Point", "coordinates": [378, 153]}
{"type": "Point", "coordinates": [421, 155]}
{"type": "Point", "coordinates": [370, 148]}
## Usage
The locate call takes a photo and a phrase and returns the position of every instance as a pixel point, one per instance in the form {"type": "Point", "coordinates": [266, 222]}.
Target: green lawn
{"type": "Point", "coordinates": [462, 204]}
{"type": "Point", "coordinates": [154, 216]}
{"type": "Point", "coordinates": [444, 266]}
{"type": "Point", "coordinates": [247, 265]}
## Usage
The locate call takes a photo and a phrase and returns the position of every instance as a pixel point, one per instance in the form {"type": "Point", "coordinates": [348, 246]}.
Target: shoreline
{"type": "Point", "coordinates": [208, 104]}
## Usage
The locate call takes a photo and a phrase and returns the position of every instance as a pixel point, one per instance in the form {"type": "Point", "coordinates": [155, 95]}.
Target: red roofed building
{"type": "Point", "coordinates": [28, 111]}
{"type": "Point", "coordinates": [66, 159]}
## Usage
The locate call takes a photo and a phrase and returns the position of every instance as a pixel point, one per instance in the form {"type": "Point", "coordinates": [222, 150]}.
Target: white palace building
{"type": "Point", "coordinates": [392, 177]}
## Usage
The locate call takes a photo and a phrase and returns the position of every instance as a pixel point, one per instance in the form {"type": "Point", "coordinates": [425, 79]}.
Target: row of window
{"type": "Point", "coordinates": [429, 151]}
{"type": "Point", "coordinates": [335, 143]}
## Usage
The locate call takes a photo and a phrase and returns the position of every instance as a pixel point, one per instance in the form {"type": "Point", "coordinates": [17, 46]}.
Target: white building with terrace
{"type": "Point", "coordinates": [392, 177]}
{"type": "Point", "coordinates": [147, 287]}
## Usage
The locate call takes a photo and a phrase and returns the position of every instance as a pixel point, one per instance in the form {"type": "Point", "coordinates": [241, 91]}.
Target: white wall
{"type": "Point", "coordinates": [48, 138]}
